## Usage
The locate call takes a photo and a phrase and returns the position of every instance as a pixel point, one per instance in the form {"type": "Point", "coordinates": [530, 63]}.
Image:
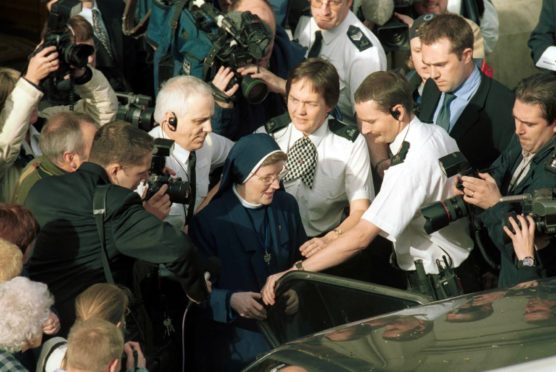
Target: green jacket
{"type": "Point", "coordinates": [66, 255]}
{"type": "Point", "coordinates": [34, 171]}
{"type": "Point", "coordinates": [495, 217]}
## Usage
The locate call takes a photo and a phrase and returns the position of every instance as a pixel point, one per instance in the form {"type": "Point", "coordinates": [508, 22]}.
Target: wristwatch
{"type": "Point", "coordinates": [526, 262]}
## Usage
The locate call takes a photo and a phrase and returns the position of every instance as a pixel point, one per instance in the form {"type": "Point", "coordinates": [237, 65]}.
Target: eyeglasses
{"type": "Point", "coordinates": [331, 3]}
{"type": "Point", "coordinates": [269, 180]}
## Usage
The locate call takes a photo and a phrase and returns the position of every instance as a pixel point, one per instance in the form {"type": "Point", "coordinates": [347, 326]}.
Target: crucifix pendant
{"type": "Point", "coordinates": [267, 257]}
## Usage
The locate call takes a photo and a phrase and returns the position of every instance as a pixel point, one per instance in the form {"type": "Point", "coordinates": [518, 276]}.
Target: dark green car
{"type": "Point", "coordinates": [345, 325]}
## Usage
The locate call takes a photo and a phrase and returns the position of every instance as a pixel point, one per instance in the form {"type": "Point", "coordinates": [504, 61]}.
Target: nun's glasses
{"type": "Point", "coordinates": [269, 180]}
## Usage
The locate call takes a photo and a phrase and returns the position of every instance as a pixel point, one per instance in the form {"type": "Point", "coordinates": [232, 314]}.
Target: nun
{"type": "Point", "coordinates": [254, 229]}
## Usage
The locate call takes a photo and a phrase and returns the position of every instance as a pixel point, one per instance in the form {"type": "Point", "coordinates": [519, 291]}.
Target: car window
{"type": "Point", "coordinates": [312, 302]}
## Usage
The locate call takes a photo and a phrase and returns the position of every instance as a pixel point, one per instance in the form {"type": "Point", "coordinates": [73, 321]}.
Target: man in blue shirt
{"type": "Point", "coordinates": [474, 109]}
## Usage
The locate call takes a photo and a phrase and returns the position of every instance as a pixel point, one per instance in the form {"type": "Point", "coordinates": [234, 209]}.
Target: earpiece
{"type": "Point", "coordinates": [173, 122]}
{"type": "Point", "coordinates": [395, 114]}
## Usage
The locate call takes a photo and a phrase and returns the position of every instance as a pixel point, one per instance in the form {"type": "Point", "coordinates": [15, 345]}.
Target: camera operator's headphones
{"type": "Point", "coordinates": [173, 122]}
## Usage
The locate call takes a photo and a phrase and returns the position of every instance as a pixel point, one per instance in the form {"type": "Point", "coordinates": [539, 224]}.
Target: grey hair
{"type": "Point", "coordinates": [25, 306]}
{"type": "Point", "coordinates": [63, 133]}
{"type": "Point", "coordinates": [175, 94]}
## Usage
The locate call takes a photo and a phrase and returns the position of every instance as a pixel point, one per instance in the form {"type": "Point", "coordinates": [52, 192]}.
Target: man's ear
{"type": "Point", "coordinates": [112, 170]}
{"type": "Point", "coordinates": [114, 365]}
{"type": "Point", "coordinates": [467, 55]}
{"type": "Point", "coordinates": [69, 158]}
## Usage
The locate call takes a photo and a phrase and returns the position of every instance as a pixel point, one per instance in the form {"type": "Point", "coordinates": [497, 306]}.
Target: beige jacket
{"type": "Point", "coordinates": [98, 99]}
{"type": "Point", "coordinates": [14, 123]}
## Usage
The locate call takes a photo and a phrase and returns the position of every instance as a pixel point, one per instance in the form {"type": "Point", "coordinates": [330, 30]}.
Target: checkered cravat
{"type": "Point", "coordinates": [100, 31]}
{"type": "Point", "coordinates": [302, 161]}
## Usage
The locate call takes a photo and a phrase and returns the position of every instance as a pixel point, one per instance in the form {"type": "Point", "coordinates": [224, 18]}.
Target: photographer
{"type": "Point", "coordinates": [238, 118]}
{"type": "Point", "coordinates": [18, 103]}
{"type": "Point", "coordinates": [67, 253]}
{"type": "Point", "coordinates": [97, 98]}
{"type": "Point", "coordinates": [384, 105]}
{"type": "Point", "coordinates": [522, 168]}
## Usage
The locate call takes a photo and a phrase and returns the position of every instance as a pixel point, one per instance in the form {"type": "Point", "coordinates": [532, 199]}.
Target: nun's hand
{"type": "Point", "coordinates": [268, 289]}
{"type": "Point", "coordinates": [248, 305]}
{"type": "Point", "coordinates": [312, 246]}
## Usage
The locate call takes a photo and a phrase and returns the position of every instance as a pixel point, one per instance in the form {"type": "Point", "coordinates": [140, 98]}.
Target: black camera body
{"type": "Point", "coordinates": [541, 205]}
{"type": "Point", "coordinates": [394, 34]}
{"type": "Point", "coordinates": [179, 191]}
{"type": "Point", "coordinates": [241, 39]}
{"type": "Point", "coordinates": [136, 109]}
{"type": "Point", "coordinates": [440, 214]}
{"type": "Point", "coordinates": [69, 54]}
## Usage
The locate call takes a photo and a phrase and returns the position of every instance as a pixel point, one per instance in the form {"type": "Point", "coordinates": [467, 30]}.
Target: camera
{"type": "Point", "coordinates": [179, 191]}
{"type": "Point", "coordinates": [394, 34]}
{"type": "Point", "coordinates": [240, 40]}
{"type": "Point", "coordinates": [541, 205]}
{"type": "Point", "coordinates": [136, 109]}
{"type": "Point", "coordinates": [70, 54]}
{"type": "Point", "coordinates": [440, 214]}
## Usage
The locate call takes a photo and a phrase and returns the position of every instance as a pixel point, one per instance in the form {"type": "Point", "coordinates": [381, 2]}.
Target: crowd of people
{"type": "Point", "coordinates": [344, 149]}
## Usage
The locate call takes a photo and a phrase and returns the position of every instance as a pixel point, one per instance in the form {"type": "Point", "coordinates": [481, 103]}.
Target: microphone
{"type": "Point", "coordinates": [377, 11]}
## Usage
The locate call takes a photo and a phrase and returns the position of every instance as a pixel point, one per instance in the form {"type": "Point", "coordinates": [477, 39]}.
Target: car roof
{"type": "Point", "coordinates": [481, 331]}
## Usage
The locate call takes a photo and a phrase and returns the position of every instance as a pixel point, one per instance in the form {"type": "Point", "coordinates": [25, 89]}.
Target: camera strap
{"type": "Point", "coordinates": [99, 211]}
{"type": "Point", "coordinates": [129, 28]}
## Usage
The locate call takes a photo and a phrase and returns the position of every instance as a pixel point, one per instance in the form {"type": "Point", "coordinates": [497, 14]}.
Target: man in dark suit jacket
{"type": "Point", "coordinates": [117, 59]}
{"type": "Point", "coordinates": [522, 168]}
{"type": "Point", "coordinates": [478, 113]}
{"type": "Point", "coordinates": [542, 41]}
{"type": "Point", "coordinates": [67, 251]}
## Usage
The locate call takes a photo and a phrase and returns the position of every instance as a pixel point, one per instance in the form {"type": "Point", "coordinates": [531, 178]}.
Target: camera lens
{"type": "Point", "coordinates": [254, 90]}
{"type": "Point", "coordinates": [78, 55]}
{"type": "Point", "coordinates": [440, 214]}
{"type": "Point", "coordinates": [178, 191]}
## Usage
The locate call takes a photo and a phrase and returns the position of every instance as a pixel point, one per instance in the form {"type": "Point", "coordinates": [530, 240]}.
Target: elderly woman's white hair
{"type": "Point", "coordinates": [175, 94]}
{"type": "Point", "coordinates": [25, 306]}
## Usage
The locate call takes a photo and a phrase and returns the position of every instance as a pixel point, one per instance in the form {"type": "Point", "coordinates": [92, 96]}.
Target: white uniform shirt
{"type": "Point", "coordinates": [352, 64]}
{"type": "Point", "coordinates": [407, 187]}
{"type": "Point", "coordinates": [211, 155]}
{"type": "Point", "coordinates": [342, 175]}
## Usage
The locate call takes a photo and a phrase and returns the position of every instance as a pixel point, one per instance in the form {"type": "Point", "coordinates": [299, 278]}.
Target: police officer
{"type": "Point", "coordinates": [384, 106]}
{"type": "Point", "coordinates": [328, 162]}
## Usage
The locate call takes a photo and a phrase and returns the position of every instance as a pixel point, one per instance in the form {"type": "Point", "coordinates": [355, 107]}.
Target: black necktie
{"type": "Point", "coordinates": [193, 184]}
{"type": "Point", "coordinates": [317, 45]}
{"type": "Point", "coordinates": [443, 118]}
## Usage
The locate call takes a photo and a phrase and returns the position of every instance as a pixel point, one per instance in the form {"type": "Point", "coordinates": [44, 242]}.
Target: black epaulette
{"type": "Point", "coordinates": [277, 123]}
{"type": "Point", "coordinates": [343, 130]}
{"type": "Point", "coordinates": [358, 38]}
